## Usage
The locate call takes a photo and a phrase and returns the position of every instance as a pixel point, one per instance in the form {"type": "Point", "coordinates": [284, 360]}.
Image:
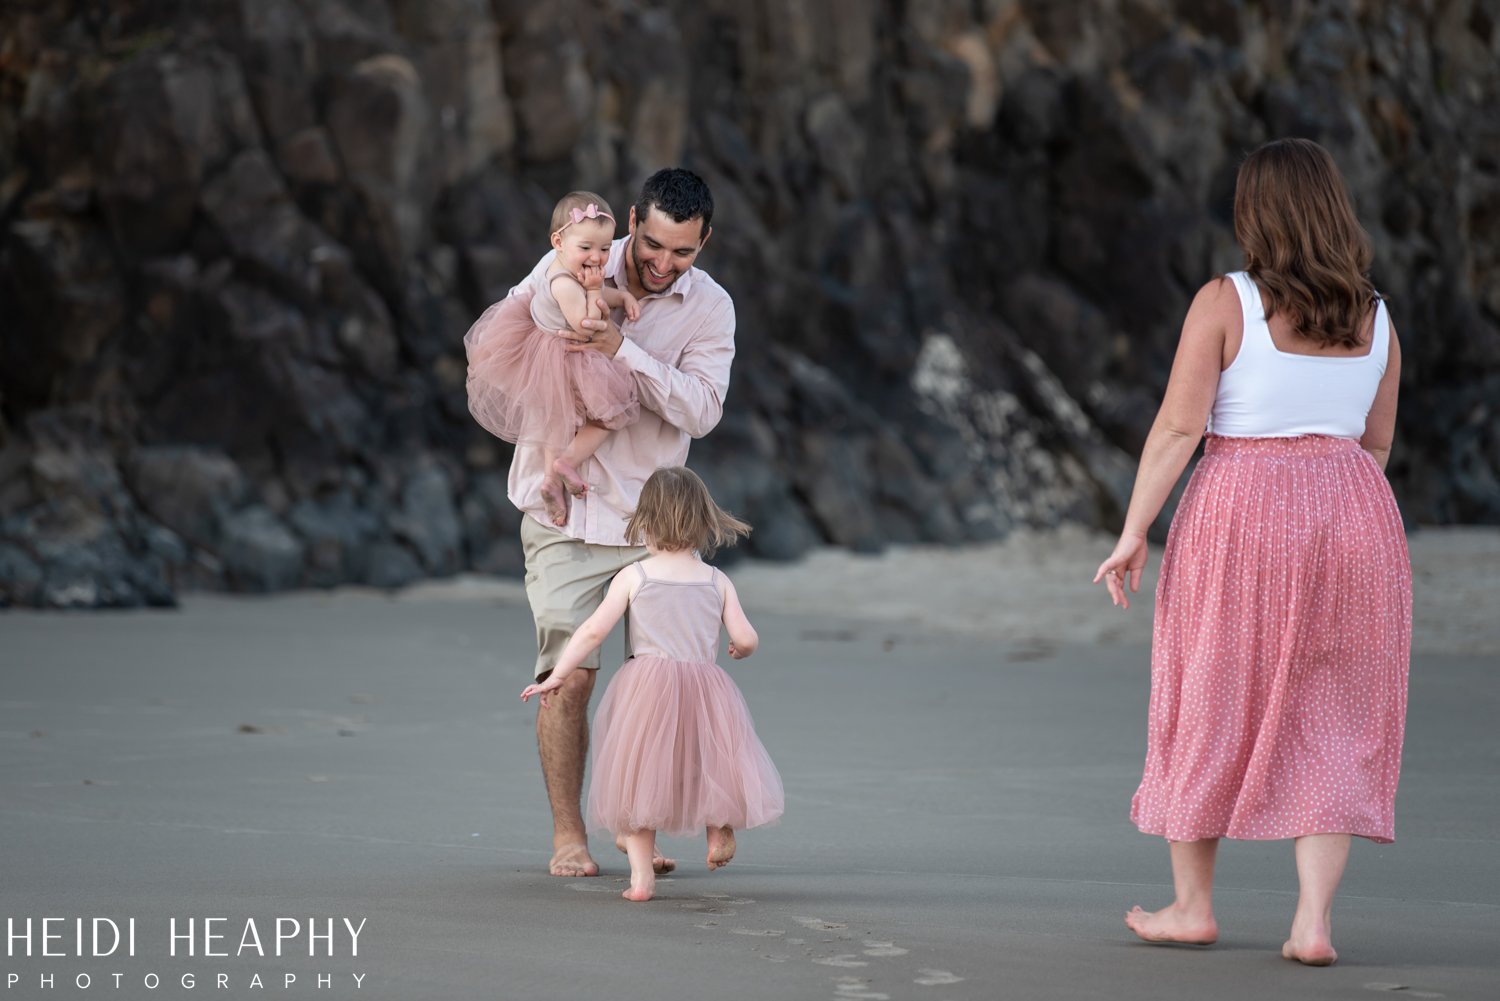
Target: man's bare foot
{"type": "Point", "coordinates": [660, 864]}
{"type": "Point", "coordinates": [720, 846]}
{"type": "Point", "coordinates": [1169, 925]}
{"type": "Point", "coordinates": [570, 477]}
{"type": "Point", "coordinates": [572, 860]}
{"type": "Point", "coordinates": [555, 499]}
{"type": "Point", "coordinates": [1312, 948]}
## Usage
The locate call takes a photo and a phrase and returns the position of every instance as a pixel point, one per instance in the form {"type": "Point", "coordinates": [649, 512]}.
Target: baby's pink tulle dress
{"type": "Point", "coordinates": [526, 388]}
{"type": "Point", "coordinates": [674, 746]}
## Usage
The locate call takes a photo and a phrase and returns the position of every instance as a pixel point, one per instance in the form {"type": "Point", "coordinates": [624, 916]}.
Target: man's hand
{"type": "Point", "coordinates": [603, 336]}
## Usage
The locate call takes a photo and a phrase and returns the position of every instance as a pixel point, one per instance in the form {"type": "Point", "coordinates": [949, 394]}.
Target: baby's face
{"type": "Point", "coordinates": [584, 244]}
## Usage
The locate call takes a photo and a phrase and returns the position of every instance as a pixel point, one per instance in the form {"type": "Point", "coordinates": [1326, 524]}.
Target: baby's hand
{"type": "Point", "coordinates": [631, 304]}
{"type": "Point", "coordinates": [591, 277]}
{"type": "Point", "coordinates": [734, 651]}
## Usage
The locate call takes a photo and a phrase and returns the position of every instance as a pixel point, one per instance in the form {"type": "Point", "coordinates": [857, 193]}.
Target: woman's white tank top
{"type": "Point", "coordinates": [1268, 393]}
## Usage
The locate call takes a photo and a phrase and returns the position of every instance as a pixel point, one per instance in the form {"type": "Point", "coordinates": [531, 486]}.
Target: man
{"type": "Point", "coordinates": [680, 351]}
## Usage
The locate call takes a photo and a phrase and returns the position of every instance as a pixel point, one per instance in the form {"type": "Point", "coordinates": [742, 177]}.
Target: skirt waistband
{"type": "Point", "coordinates": [1297, 445]}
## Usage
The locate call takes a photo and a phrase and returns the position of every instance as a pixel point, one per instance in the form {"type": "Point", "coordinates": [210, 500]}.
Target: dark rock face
{"type": "Point", "coordinates": [241, 240]}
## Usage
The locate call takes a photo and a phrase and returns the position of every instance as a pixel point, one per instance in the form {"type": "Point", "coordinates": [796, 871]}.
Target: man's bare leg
{"type": "Point", "coordinates": [1320, 865]}
{"type": "Point", "coordinates": [1189, 918]}
{"type": "Point", "coordinates": [562, 739]}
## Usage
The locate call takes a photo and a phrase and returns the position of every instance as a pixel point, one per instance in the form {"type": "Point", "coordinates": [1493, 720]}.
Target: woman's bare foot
{"type": "Point", "coordinates": [570, 477]}
{"type": "Point", "coordinates": [1171, 925]}
{"type": "Point", "coordinates": [1310, 946]}
{"type": "Point", "coordinates": [660, 864]}
{"type": "Point", "coordinates": [720, 846]}
{"type": "Point", "coordinates": [572, 860]}
{"type": "Point", "coordinates": [555, 499]}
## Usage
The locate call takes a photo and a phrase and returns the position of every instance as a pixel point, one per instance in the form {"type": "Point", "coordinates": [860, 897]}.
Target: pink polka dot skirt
{"type": "Point", "coordinates": [1281, 647]}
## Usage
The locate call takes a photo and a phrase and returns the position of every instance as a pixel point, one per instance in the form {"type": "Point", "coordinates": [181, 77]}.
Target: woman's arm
{"type": "Point", "coordinates": [1176, 431]}
{"type": "Point", "coordinates": [1380, 422]}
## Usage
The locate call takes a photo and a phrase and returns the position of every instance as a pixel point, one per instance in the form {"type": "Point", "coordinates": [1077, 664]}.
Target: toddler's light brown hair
{"type": "Point", "coordinates": [676, 512]}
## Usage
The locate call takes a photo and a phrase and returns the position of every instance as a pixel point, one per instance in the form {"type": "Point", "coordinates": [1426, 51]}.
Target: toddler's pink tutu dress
{"type": "Point", "coordinates": [675, 749]}
{"type": "Point", "coordinates": [526, 388]}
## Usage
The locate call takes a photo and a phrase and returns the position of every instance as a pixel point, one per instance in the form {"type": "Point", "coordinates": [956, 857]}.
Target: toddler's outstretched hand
{"type": "Point", "coordinates": [543, 689]}
{"type": "Point", "coordinates": [631, 304]}
{"type": "Point", "coordinates": [736, 652]}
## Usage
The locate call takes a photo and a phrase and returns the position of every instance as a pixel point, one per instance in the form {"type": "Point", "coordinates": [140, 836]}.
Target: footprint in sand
{"type": "Point", "coordinates": [935, 978]}
{"type": "Point", "coordinates": [767, 932]}
{"type": "Point", "coordinates": [847, 959]}
{"type": "Point", "coordinates": [818, 924]}
{"type": "Point", "coordinates": [852, 987]}
{"type": "Point", "coordinates": [884, 949]}
{"type": "Point", "coordinates": [591, 888]}
{"type": "Point", "coordinates": [708, 907]}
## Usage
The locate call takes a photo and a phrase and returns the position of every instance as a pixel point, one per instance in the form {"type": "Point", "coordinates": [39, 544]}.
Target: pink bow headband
{"type": "Point", "coordinates": [591, 211]}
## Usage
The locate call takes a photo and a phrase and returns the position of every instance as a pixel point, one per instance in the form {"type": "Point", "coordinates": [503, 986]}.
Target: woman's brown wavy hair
{"type": "Point", "coordinates": [1302, 243]}
{"type": "Point", "coordinates": [676, 513]}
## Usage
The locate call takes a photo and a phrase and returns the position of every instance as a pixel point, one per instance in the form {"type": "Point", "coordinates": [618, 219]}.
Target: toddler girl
{"type": "Point", "coordinates": [525, 386]}
{"type": "Point", "coordinates": [674, 746]}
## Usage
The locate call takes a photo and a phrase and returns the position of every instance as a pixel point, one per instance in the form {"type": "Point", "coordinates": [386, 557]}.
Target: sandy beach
{"type": "Point", "coordinates": [959, 731]}
{"type": "Point", "coordinates": [1034, 588]}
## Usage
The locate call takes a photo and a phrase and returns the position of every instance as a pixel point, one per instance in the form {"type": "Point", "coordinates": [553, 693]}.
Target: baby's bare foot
{"type": "Point", "coordinates": [1171, 925]}
{"type": "Point", "coordinates": [660, 864]}
{"type": "Point", "coordinates": [570, 477]}
{"type": "Point", "coordinates": [555, 499]}
{"type": "Point", "coordinates": [720, 846]}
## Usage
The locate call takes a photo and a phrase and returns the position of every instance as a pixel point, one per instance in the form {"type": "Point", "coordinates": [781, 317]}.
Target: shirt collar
{"type": "Point", "coordinates": [614, 269]}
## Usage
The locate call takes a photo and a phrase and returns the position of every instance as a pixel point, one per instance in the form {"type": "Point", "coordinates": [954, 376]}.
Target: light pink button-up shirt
{"type": "Point", "coordinates": [680, 351]}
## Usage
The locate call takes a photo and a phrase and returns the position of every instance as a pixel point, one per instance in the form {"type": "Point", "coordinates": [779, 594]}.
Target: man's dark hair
{"type": "Point", "coordinates": [679, 193]}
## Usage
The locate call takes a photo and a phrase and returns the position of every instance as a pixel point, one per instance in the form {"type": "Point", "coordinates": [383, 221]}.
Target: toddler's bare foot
{"type": "Point", "coordinates": [570, 477]}
{"type": "Point", "coordinates": [720, 846]}
{"type": "Point", "coordinates": [572, 860]}
{"type": "Point", "coordinates": [1171, 925]}
{"type": "Point", "coordinates": [1310, 946]}
{"type": "Point", "coordinates": [660, 864]}
{"type": "Point", "coordinates": [555, 499]}
{"type": "Point", "coordinates": [642, 888]}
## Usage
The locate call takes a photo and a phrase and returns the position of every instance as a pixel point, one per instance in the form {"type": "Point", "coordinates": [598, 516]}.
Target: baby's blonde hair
{"type": "Point", "coordinates": [676, 513]}
{"type": "Point", "coordinates": [562, 214]}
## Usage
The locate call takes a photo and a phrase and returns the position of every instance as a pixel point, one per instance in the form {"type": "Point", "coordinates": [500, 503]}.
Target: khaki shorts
{"type": "Point", "coordinates": [565, 582]}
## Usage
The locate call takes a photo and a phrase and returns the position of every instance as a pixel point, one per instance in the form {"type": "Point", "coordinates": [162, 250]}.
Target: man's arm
{"type": "Point", "coordinates": [689, 396]}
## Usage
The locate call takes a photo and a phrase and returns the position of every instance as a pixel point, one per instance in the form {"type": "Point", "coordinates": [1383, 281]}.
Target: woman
{"type": "Point", "coordinates": [1283, 618]}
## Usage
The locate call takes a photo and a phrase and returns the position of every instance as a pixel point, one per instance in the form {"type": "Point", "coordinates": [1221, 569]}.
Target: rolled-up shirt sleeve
{"type": "Point", "coordinates": [690, 395]}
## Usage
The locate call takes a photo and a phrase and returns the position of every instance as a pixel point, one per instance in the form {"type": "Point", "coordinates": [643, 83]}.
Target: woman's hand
{"type": "Point", "coordinates": [1126, 562]}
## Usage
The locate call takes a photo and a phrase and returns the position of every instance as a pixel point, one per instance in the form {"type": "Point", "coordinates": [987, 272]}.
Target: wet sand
{"type": "Point", "coordinates": [960, 733]}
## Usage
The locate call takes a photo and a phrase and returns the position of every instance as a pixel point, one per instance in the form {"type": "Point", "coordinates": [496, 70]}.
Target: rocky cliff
{"type": "Point", "coordinates": [241, 240]}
